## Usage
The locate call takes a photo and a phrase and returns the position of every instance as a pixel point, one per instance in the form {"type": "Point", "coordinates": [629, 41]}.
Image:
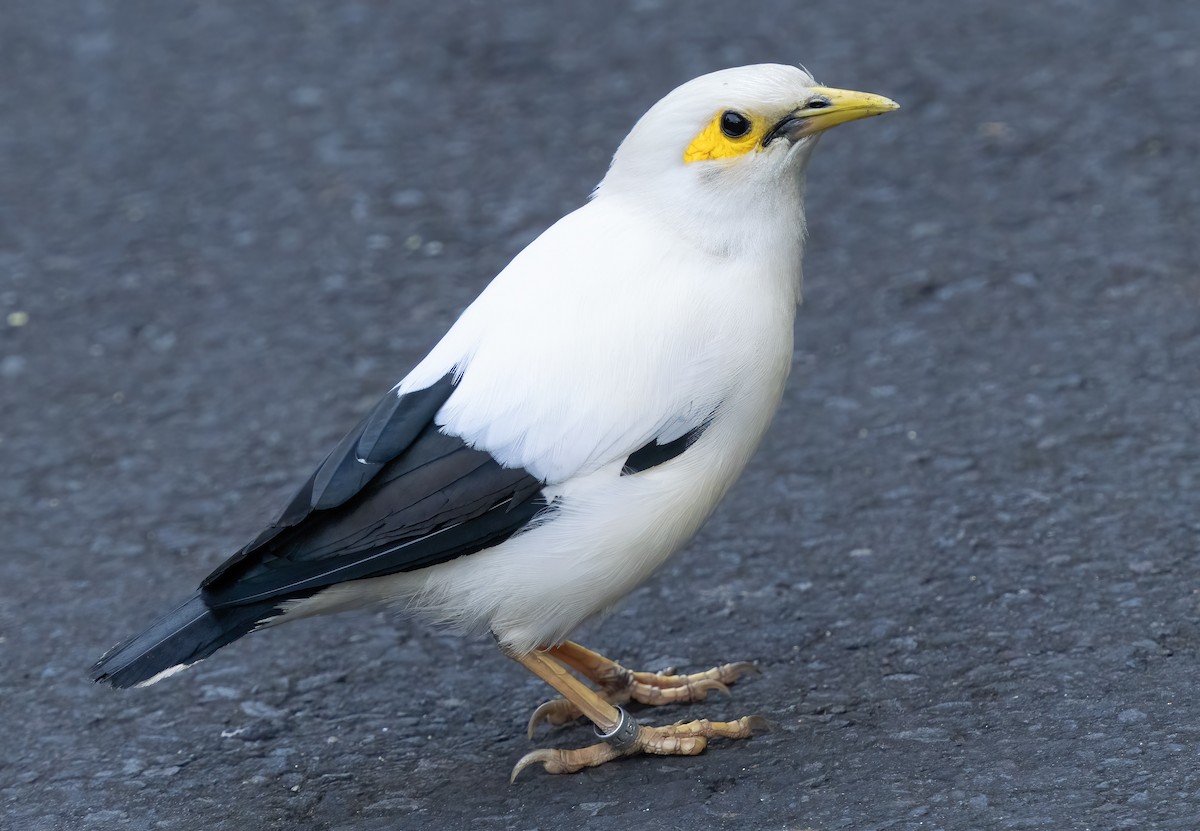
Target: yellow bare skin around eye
{"type": "Point", "coordinates": [713, 144]}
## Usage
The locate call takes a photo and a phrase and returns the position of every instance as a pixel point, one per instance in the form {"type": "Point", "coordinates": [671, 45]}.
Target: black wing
{"type": "Point", "coordinates": [396, 494]}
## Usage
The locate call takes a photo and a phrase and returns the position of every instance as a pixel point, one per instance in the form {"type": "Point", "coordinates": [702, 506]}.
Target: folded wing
{"type": "Point", "coordinates": [396, 494]}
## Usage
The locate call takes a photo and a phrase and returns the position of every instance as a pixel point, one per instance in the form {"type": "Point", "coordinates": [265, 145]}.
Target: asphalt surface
{"type": "Point", "coordinates": [967, 558]}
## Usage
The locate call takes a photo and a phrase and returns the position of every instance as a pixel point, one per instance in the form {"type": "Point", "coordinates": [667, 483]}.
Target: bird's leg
{"type": "Point", "coordinates": [621, 733]}
{"type": "Point", "coordinates": [619, 685]}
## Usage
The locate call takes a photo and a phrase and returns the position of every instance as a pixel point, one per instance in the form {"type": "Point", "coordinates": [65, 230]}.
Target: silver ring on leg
{"type": "Point", "coordinates": [624, 735]}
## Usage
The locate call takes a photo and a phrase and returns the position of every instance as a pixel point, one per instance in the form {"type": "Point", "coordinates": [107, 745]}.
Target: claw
{"type": "Point", "coordinates": [703, 688]}
{"type": "Point", "coordinates": [554, 760]}
{"type": "Point", "coordinates": [530, 758]}
{"type": "Point", "coordinates": [556, 711]}
{"type": "Point", "coordinates": [537, 717]}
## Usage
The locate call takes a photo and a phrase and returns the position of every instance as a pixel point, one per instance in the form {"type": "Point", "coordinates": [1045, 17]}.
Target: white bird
{"type": "Point", "coordinates": [575, 426]}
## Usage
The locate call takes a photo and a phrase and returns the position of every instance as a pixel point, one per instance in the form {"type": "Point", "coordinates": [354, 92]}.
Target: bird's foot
{"type": "Point", "coordinates": [619, 685]}
{"type": "Point", "coordinates": [680, 739]}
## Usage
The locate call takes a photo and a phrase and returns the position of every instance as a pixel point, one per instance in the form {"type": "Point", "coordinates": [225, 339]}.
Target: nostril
{"type": "Point", "coordinates": [817, 104]}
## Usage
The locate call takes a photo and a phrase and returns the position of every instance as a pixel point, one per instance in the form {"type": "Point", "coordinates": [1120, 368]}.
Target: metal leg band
{"type": "Point", "coordinates": [624, 735]}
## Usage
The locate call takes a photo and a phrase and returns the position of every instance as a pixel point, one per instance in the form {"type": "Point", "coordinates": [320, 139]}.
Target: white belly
{"type": "Point", "coordinates": [606, 535]}
{"type": "Point", "coordinates": [709, 333]}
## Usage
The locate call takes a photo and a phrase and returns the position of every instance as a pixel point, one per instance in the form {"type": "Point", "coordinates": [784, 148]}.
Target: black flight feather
{"type": "Point", "coordinates": [395, 495]}
{"type": "Point", "coordinates": [438, 500]}
{"type": "Point", "coordinates": [185, 635]}
{"type": "Point", "coordinates": [399, 418]}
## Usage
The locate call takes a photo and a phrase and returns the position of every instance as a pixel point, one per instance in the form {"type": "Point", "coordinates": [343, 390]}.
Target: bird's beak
{"type": "Point", "coordinates": [828, 107]}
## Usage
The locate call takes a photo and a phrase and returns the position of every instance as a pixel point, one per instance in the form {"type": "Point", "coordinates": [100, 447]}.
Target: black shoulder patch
{"type": "Point", "coordinates": [654, 454]}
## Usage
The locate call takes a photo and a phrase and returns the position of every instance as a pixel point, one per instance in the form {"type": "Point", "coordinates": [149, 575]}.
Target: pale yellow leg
{"type": "Point", "coordinates": [619, 685]}
{"type": "Point", "coordinates": [682, 739]}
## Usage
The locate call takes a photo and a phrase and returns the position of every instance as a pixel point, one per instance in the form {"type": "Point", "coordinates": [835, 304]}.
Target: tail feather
{"type": "Point", "coordinates": [181, 637]}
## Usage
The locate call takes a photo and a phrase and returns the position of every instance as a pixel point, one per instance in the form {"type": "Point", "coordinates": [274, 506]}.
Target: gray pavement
{"type": "Point", "coordinates": [967, 557]}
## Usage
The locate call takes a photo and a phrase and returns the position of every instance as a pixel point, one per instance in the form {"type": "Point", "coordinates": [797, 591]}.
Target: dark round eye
{"type": "Point", "coordinates": [734, 125]}
{"type": "Point", "coordinates": [817, 104]}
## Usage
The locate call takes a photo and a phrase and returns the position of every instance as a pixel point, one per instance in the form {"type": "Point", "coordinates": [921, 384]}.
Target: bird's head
{"type": "Point", "coordinates": [731, 147]}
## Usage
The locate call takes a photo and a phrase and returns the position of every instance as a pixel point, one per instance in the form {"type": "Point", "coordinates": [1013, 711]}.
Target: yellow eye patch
{"type": "Point", "coordinates": [712, 143]}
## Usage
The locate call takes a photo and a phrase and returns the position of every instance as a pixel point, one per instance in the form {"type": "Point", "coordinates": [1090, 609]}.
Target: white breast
{"type": "Point", "coordinates": [608, 534]}
{"type": "Point", "coordinates": [579, 353]}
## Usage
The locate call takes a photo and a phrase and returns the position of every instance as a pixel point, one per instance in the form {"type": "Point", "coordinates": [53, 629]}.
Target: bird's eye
{"type": "Point", "coordinates": [734, 124]}
{"type": "Point", "coordinates": [817, 104]}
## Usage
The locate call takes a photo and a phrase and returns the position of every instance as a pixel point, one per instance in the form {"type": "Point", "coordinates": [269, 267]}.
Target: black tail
{"type": "Point", "coordinates": [179, 638]}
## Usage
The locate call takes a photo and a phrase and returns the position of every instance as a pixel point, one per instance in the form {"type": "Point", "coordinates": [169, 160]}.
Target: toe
{"type": "Point", "coordinates": [554, 760]}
